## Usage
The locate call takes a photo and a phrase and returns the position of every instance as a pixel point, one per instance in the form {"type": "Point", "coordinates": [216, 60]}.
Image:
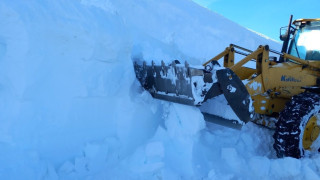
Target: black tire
{"type": "Point", "coordinates": [291, 123]}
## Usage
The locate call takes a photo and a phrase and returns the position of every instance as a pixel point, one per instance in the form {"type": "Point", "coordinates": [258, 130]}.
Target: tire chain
{"type": "Point", "coordinates": [287, 133]}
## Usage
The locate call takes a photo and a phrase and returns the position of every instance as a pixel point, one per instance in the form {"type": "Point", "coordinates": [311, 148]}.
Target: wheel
{"type": "Point", "coordinates": [298, 127]}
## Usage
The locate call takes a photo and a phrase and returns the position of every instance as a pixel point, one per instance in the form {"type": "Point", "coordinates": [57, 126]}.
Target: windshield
{"type": "Point", "coordinates": [306, 42]}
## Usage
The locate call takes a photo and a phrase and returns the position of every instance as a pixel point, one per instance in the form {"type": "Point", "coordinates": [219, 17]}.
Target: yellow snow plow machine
{"type": "Point", "coordinates": [282, 91]}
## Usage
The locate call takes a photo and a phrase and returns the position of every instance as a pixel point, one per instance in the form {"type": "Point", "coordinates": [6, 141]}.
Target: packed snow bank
{"type": "Point", "coordinates": [67, 79]}
{"type": "Point", "coordinates": [71, 108]}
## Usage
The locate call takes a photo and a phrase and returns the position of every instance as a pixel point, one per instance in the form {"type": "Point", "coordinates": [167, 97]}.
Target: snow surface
{"type": "Point", "coordinates": [71, 108]}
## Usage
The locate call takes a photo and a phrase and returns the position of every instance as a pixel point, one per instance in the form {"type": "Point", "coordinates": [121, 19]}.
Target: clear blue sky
{"type": "Point", "coordinates": [265, 17]}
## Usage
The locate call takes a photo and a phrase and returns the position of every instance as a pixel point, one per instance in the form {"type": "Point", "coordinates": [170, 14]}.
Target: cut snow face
{"type": "Point", "coordinates": [71, 108]}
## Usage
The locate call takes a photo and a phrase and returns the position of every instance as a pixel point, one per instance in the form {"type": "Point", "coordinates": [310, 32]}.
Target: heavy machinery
{"type": "Point", "coordinates": [281, 93]}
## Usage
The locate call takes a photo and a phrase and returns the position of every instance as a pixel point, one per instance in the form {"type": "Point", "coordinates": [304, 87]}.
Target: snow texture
{"type": "Point", "coordinates": [71, 108]}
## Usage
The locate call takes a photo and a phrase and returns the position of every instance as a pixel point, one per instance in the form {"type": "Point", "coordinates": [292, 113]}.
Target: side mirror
{"type": "Point", "coordinates": [283, 36]}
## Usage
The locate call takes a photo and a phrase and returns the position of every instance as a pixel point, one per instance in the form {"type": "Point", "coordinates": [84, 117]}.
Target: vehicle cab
{"type": "Point", "coordinates": [305, 43]}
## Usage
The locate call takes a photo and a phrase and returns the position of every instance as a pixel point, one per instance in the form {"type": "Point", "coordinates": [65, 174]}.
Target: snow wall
{"type": "Point", "coordinates": [71, 108]}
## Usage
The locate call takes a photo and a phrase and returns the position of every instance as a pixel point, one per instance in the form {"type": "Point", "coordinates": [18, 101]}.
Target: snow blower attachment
{"type": "Point", "coordinates": [193, 86]}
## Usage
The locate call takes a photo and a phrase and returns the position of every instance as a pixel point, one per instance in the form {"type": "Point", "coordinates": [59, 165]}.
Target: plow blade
{"type": "Point", "coordinates": [176, 82]}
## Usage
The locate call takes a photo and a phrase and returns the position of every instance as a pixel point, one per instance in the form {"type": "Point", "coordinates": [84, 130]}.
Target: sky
{"type": "Point", "coordinates": [265, 17]}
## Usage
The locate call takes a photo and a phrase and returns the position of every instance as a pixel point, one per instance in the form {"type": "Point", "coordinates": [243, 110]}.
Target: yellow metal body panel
{"type": "Point", "coordinates": [255, 86]}
{"type": "Point", "coordinates": [219, 56]}
{"type": "Point", "coordinates": [286, 79]}
{"type": "Point", "coordinates": [305, 20]}
{"type": "Point", "coordinates": [277, 84]}
{"type": "Point", "coordinates": [276, 105]}
{"type": "Point", "coordinates": [229, 59]}
{"type": "Point", "coordinates": [261, 103]}
{"type": "Point", "coordinates": [264, 104]}
{"type": "Point", "coordinates": [245, 72]}
{"type": "Point", "coordinates": [314, 64]}
{"type": "Point", "coordinates": [272, 84]}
